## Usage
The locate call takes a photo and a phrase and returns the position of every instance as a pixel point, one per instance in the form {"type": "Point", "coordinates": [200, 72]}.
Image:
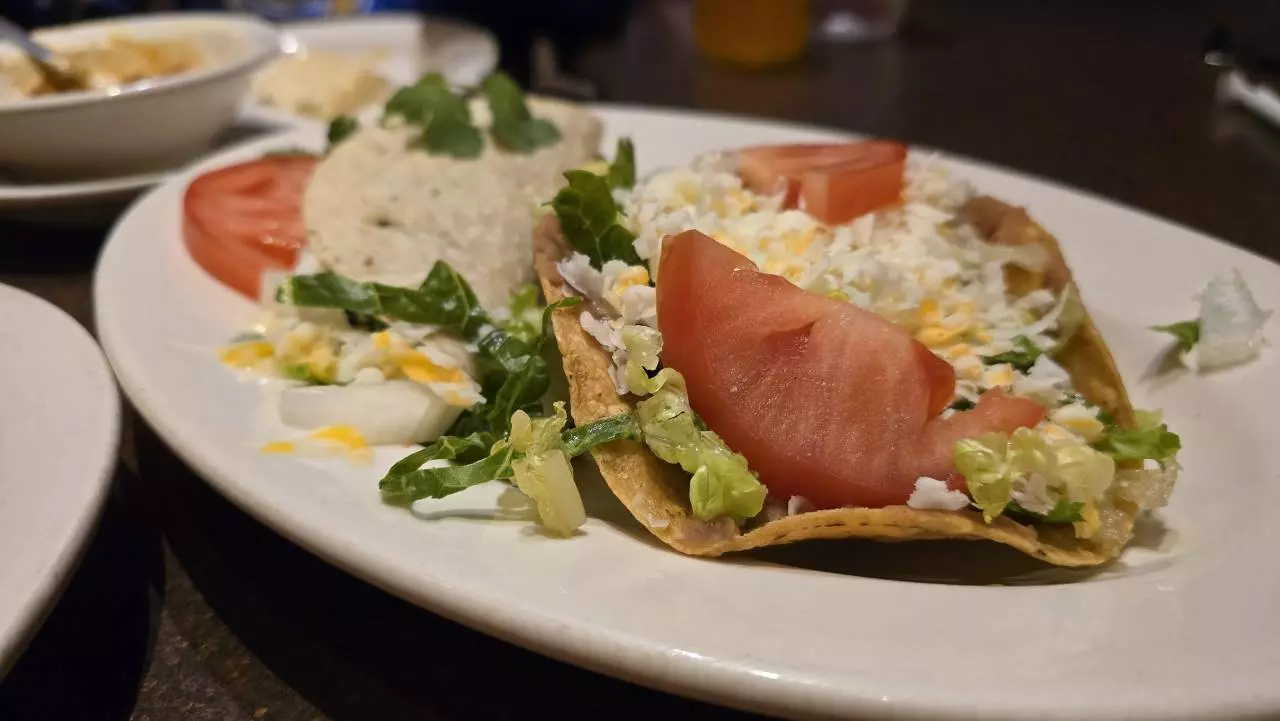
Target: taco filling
{"type": "Point", "coordinates": [837, 341]}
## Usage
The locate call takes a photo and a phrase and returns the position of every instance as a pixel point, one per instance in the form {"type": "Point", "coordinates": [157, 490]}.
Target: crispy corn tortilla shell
{"type": "Point", "coordinates": [657, 493]}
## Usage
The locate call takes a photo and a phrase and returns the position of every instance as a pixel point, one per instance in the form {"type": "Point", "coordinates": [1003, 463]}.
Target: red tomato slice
{"type": "Point", "coordinates": [242, 221]}
{"type": "Point", "coordinates": [825, 400]}
{"type": "Point", "coordinates": [834, 183]}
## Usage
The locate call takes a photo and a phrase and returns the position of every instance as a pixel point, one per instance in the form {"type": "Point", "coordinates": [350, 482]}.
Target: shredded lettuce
{"type": "Point", "coordinates": [984, 464]}
{"type": "Point", "coordinates": [482, 456]}
{"type": "Point", "coordinates": [540, 469]}
{"type": "Point", "coordinates": [722, 484]}
{"type": "Point", "coordinates": [580, 439]}
{"type": "Point", "coordinates": [996, 465]}
{"type": "Point", "coordinates": [643, 345]}
{"type": "Point", "coordinates": [1022, 357]}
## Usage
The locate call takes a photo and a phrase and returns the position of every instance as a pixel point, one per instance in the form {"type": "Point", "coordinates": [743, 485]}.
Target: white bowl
{"type": "Point", "coordinates": [147, 126]}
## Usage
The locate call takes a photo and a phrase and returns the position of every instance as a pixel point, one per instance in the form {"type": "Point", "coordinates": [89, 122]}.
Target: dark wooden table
{"type": "Point", "coordinates": [184, 608]}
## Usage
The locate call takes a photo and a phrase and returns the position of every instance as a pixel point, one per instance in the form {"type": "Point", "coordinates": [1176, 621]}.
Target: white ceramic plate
{"type": "Point", "coordinates": [410, 46]}
{"type": "Point", "coordinates": [59, 425]}
{"type": "Point", "coordinates": [1185, 625]}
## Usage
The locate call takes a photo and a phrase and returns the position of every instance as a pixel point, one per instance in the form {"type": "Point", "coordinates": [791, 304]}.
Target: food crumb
{"type": "Point", "coordinates": [260, 712]}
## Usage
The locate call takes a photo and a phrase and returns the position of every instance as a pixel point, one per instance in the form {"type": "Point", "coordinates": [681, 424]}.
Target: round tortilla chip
{"type": "Point", "coordinates": [657, 493]}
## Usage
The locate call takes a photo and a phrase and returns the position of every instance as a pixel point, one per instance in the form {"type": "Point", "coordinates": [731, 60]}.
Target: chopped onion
{"type": "Point", "coordinates": [398, 411]}
{"type": "Point", "coordinates": [932, 494]}
{"type": "Point", "coordinates": [1230, 323]}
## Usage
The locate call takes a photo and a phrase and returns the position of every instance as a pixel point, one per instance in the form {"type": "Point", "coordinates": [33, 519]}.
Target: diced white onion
{"type": "Point", "coordinates": [1230, 323]}
{"type": "Point", "coordinates": [394, 412]}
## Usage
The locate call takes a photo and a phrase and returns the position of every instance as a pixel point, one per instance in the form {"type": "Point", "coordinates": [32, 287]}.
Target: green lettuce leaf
{"type": "Point", "coordinates": [514, 128]}
{"type": "Point", "coordinates": [643, 345]}
{"type": "Point", "coordinates": [589, 219]}
{"type": "Point", "coordinates": [622, 171]}
{"type": "Point", "coordinates": [443, 299]}
{"type": "Point", "coordinates": [1186, 332]}
{"type": "Point", "coordinates": [463, 449]}
{"type": "Point", "coordinates": [514, 376]}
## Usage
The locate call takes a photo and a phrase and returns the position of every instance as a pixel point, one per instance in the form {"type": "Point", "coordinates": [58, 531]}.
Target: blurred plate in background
{"type": "Point", "coordinates": [406, 46]}
{"type": "Point", "coordinates": [59, 424]}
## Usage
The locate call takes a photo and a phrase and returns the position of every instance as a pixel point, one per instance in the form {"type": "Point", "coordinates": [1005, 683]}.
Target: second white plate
{"type": "Point", "coordinates": [59, 426]}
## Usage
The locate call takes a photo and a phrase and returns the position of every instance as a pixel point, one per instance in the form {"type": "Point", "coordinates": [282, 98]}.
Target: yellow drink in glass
{"type": "Point", "coordinates": [751, 33]}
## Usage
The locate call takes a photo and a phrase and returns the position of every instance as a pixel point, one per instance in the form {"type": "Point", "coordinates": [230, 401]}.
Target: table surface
{"type": "Point", "coordinates": [186, 608]}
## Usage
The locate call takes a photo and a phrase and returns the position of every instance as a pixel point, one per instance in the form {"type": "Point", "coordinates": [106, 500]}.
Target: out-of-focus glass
{"type": "Point", "coordinates": [751, 33]}
{"type": "Point", "coordinates": [853, 21]}
{"type": "Point", "coordinates": [300, 9]}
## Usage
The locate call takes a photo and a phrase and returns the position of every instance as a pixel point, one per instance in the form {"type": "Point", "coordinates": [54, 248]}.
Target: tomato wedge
{"type": "Point", "coordinates": [825, 400]}
{"type": "Point", "coordinates": [241, 221]}
{"type": "Point", "coordinates": [834, 183]}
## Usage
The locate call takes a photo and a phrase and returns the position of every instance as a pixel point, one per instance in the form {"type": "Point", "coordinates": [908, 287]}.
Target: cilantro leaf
{"type": "Point", "coordinates": [1021, 358]}
{"type": "Point", "coordinates": [589, 220]}
{"type": "Point", "coordinates": [340, 128]}
{"type": "Point", "coordinates": [514, 128]}
{"type": "Point", "coordinates": [622, 171]}
{"type": "Point", "coordinates": [443, 115]}
{"type": "Point", "coordinates": [1186, 332]}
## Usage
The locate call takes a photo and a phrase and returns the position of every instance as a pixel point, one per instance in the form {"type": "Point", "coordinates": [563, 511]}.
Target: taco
{"type": "Point", "coordinates": [843, 342]}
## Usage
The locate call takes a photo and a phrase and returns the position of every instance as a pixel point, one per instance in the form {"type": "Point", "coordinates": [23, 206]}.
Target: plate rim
{"type": "Point", "coordinates": [61, 566]}
{"type": "Point", "coordinates": [636, 661]}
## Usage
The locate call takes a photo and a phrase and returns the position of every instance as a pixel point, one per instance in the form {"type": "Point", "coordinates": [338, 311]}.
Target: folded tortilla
{"type": "Point", "coordinates": [378, 208]}
{"type": "Point", "coordinates": [657, 493]}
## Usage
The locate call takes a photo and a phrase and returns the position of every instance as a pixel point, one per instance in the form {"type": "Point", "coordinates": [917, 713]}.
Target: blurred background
{"type": "Point", "coordinates": [535, 35]}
